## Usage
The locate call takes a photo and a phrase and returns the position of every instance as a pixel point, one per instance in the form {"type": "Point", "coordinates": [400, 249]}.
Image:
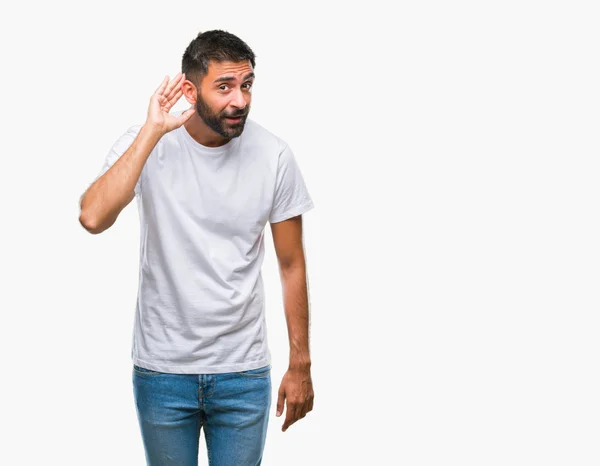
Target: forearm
{"type": "Point", "coordinates": [295, 298]}
{"type": "Point", "coordinates": [109, 194]}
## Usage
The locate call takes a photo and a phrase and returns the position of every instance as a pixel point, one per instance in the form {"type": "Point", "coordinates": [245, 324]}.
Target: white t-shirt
{"type": "Point", "coordinates": [200, 306]}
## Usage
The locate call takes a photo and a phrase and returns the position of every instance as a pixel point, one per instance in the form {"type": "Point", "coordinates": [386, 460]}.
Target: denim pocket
{"type": "Point", "coordinates": [260, 372]}
{"type": "Point", "coordinates": [144, 372]}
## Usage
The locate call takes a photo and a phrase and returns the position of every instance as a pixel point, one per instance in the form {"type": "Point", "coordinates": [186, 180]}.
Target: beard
{"type": "Point", "coordinates": [217, 122]}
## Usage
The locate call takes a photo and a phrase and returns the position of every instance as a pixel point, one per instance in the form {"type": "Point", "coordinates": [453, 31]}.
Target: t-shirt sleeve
{"type": "Point", "coordinates": [118, 149]}
{"type": "Point", "coordinates": [291, 195]}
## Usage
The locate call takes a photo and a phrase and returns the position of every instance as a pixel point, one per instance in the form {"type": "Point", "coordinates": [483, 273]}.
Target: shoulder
{"type": "Point", "coordinates": [133, 130]}
{"type": "Point", "coordinates": [256, 136]}
{"type": "Point", "coordinates": [124, 140]}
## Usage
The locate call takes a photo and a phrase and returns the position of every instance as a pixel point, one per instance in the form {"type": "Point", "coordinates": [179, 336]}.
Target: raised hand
{"type": "Point", "coordinates": [161, 102]}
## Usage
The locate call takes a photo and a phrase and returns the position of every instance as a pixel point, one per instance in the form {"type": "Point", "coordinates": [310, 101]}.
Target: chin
{"type": "Point", "coordinates": [236, 133]}
{"type": "Point", "coordinates": [235, 130]}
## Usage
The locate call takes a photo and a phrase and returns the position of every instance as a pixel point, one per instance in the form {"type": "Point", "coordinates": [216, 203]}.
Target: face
{"type": "Point", "coordinates": [223, 100]}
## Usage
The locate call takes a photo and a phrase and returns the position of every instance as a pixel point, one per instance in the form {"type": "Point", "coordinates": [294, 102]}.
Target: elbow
{"type": "Point", "coordinates": [89, 219]}
{"type": "Point", "coordinates": [291, 268]}
{"type": "Point", "coordinates": [85, 219]}
{"type": "Point", "coordinates": [291, 261]}
{"type": "Point", "coordinates": [91, 224]}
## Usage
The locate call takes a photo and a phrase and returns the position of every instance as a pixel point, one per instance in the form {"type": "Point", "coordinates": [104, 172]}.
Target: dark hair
{"type": "Point", "coordinates": [214, 45]}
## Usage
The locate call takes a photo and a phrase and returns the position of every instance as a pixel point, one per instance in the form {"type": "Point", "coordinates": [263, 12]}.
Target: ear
{"type": "Point", "coordinates": [189, 90]}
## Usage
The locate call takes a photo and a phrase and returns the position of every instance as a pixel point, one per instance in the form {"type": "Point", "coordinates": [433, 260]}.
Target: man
{"type": "Point", "coordinates": [206, 181]}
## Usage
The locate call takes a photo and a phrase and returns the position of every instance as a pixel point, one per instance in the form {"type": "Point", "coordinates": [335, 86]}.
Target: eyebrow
{"type": "Point", "coordinates": [231, 78]}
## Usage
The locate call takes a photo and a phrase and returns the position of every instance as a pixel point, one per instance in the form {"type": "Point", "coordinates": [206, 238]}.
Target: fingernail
{"type": "Point", "coordinates": [278, 413]}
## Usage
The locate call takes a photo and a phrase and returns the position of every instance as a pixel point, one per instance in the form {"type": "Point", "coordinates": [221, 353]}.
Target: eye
{"type": "Point", "coordinates": [249, 85]}
{"type": "Point", "coordinates": [222, 86]}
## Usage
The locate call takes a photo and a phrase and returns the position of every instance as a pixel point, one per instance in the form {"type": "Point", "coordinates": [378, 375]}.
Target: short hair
{"type": "Point", "coordinates": [217, 45]}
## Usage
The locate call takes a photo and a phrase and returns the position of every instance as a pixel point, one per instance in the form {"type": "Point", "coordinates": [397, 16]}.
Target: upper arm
{"type": "Point", "coordinates": [287, 239]}
{"type": "Point", "coordinates": [291, 197]}
{"type": "Point", "coordinates": [123, 143]}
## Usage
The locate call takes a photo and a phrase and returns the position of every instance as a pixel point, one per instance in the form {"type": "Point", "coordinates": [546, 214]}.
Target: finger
{"type": "Point", "coordinates": [310, 404]}
{"type": "Point", "coordinates": [174, 95]}
{"type": "Point", "coordinates": [280, 400]}
{"type": "Point", "coordinates": [162, 86]}
{"type": "Point", "coordinates": [185, 116]}
{"type": "Point", "coordinates": [172, 85]}
{"type": "Point", "coordinates": [173, 100]}
{"type": "Point", "coordinates": [290, 417]}
{"type": "Point", "coordinates": [303, 410]}
{"type": "Point", "coordinates": [176, 90]}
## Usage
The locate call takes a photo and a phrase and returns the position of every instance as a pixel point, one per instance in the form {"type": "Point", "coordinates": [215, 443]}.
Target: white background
{"type": "Point", "coordinates": [451, 150]}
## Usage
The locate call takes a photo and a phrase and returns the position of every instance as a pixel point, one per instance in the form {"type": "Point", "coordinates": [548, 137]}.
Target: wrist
{"type": "Point", "coordinates": [300, 364]}
{"type": "Point", "coordinates": [153, 131]}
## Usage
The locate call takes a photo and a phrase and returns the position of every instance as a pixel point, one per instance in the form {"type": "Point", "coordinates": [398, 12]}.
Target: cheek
{"type": "Point", "coordinates": [214, 102]}
{"type": "Point", "coordinates": [220, 105]}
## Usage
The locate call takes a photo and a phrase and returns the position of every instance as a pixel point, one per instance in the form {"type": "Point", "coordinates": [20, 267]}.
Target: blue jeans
{"type": "Point", "coordinates": [232, 407]}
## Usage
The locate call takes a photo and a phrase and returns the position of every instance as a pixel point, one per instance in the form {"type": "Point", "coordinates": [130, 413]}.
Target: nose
{"type": "Point", "coordinates": [238, 100]}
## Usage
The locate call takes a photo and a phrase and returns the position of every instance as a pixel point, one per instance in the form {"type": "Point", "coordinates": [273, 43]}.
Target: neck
{"type": "Point", "coordinates": [202, 133]}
